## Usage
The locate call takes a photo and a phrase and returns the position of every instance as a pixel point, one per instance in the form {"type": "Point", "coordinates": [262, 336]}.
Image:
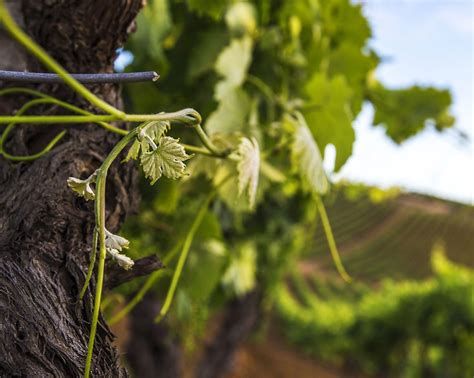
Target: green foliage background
{"type": "Point", "coordinates": [291, 74]}
{"type": "Point", "coordinates": [406, 328]}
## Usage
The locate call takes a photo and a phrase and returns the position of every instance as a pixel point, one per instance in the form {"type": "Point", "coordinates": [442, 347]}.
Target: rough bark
{"type": "Point", "coordinates": [117, 276]}
{"type": "Point", "coordinates": [45, 231]}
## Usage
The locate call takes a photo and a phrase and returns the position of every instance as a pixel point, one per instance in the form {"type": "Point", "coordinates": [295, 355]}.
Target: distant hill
{"type": "Point", "coordinates": [391, 234]}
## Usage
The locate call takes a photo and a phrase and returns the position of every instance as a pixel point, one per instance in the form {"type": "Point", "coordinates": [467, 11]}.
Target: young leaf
{"type": "Point", "coordinates": [306, 158]}
{"type": "Point", "coordinates": [248, 167]}
{"type": "Point", "coordinates": [82, 187]}
{"type": "Point", "coordinates": [157, 129]}
{"type": "Point", "coordinates": [166, 160]}
{"type": "Point", "coordinates": [113, 241]}
{"type": "Point", "coordinates": [123, 260]}
{"type": "Point", "coordinates": [133, 152]}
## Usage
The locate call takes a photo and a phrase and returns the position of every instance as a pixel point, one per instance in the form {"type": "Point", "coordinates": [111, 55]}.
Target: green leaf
{"type": "Point", "coordinates": [157, 129]}
{"type": "Point", "coordinates": [166, 160]}
{"type": "Point", "coordinates": [116, 242]}
{"type": "Point", "coordinates": [352, 62]}
{"type": "Point", "coordinates": [123, 261]}
{"type": "Point", "coordinates": [133, 151]}
{"type": "Point", "coordinates": [306, 158]}
{"type": "Point", "coordinates": [272, 173]}
{"type": "Point", "coordinates": [83, 188]}
{"type": "Point", "coordinates": [331, 121]}
{"type": "Point", "coordinates": [155, 25]}
{"type": "Point", "coordinates": [205, 51]}
{"type": "Point", "coordinates": [241, 19]}
{"type": "Point", "coordinates": [214, 8]}
{"type": "Point", "coordinates": [344, 21]}
{"type": "Point", "coordinates": [233, 63]}
{"type": "Point", "coordinates": [248, 167]}
{"type": "Point", "coordinates": [231, 114]}
{"type": "Point", "coordinates": [203, 269]}
{"type": "Point", "coordinates": [240, 276]}
{"type": "Point", "coordinates": [405, 112]}
{"type": "Point", "coordinates": [167, 196]}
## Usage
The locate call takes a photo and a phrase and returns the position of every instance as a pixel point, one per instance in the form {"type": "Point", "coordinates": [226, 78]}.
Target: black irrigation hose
{"type": "Point", "coordinates": [40, 77]}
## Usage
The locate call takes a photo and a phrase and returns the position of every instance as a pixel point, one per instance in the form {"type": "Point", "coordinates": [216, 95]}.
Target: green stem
{"type": "Point", "coordinates": [78, 110]}
{"type": "Point", "coordinates": [21, 111]}
{"type": "Point", "coordinates": [138, 297]}
{"type": "Point", "coordinates": [57, 119]}
{"type": "Point", "coordinates": [182, 258]}
{"type": "Point", "coordinates": [100, 216]}
{"type": "Point", "coordinates": [199, 150]}
{"type": "Point", "coordinates": [91, 263]}
{"type": "Point", "coordinates": [45, 99]}
{"type": "Point", "coordinates": [267, 92]}
{"type": "Point", "coordinates": [263, 87]}
{"type": "Point", "coordinates": [179, 116]}
{"type": "Point", "coordinates": [208, 143]}
{"type": "Point", "coordinates": [48, 148]}
{"type": "Point", "coordinates": [6, 132]}
{"type": "Point", "coordinates": [331, 242]}
{"type": "Point", "coordinates": [19, 90]}
{"type": "Point", "coordinates": [49, 62]}
{"type": "Point", "coordinates": [150, 281]}
{"type": "Point", "coordinates": [65, 105]}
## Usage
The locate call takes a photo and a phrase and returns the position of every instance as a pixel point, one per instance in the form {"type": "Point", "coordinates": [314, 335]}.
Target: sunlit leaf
{"type": "Point", "coordinates": [166, 160]}
{"type": "Point", "coordinates": [117, 242]}
{"type": "Point", "coordinates": [234, 61]}
{"type": "Point", "coordinates": [123, 260]}
{"type": "Point", "coordinates": [133, 152]}
{"type": "Point", "coordinates": [231, 114]}
{"type": "Point", "coordinates": [248, 167]}
{"type": "Point", "coordinates": [306, 158]}
{"type": "Point", "coordinates": [157, 129]}
{"type": "Point", "coordinates": [241, 18]}
{"type": "Point", "coordinates": [81, 187]}
{"type": "Point", "coordinates": [240, 275]}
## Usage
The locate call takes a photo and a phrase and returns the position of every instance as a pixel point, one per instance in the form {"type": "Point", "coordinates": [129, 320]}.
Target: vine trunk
{"type": "Point", "coordinates": [45, 231]}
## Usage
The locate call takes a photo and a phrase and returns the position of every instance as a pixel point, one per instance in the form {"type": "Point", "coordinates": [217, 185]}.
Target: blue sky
{"type": "Point", "coordinates": [428, 43]}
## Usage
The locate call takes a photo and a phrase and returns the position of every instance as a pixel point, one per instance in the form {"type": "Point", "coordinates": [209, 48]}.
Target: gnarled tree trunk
{"type": "Point", "coordinates": [45, 231]}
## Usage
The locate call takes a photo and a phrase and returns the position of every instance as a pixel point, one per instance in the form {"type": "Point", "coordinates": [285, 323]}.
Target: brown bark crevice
{"type": "Point", "coordinates": [45, 231]}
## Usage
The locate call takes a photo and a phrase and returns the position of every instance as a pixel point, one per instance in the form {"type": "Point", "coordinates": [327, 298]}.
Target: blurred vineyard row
{"type": "Point", "coordinates": [410, 310]}
{"type": "Point", "coordinates": [384, 234]}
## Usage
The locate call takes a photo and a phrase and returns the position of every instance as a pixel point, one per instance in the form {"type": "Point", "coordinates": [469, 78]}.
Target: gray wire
{"type": "Point", "coordinates": [101, 78]}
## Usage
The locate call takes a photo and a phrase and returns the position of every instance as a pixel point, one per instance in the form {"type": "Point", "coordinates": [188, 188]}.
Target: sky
{"type": "Point", "coordinates": [427, 43]}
